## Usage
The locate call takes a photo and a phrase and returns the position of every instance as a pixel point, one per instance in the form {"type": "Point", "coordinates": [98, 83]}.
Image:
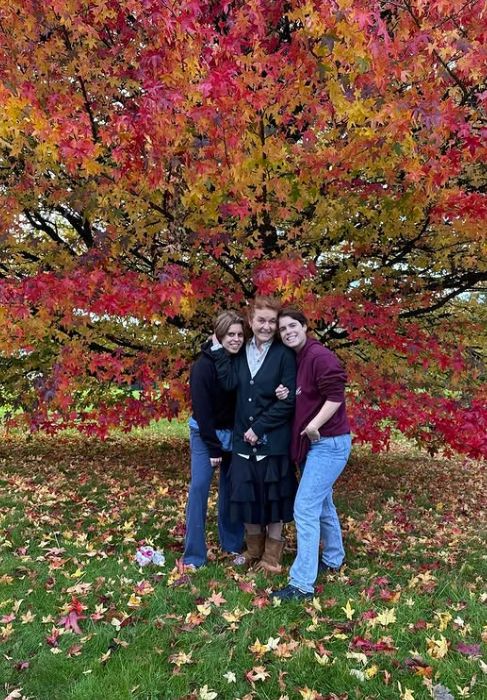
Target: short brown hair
{"type": "Point", "coordinates": [224, 320]}
{"type": "Point", "coordinates": [263, 302]}
{"type": "Point", "coordinates": [294, 313]}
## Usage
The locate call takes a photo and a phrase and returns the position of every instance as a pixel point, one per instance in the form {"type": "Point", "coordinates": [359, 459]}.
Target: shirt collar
{"type": "Point", "coordinates": [263, 347]}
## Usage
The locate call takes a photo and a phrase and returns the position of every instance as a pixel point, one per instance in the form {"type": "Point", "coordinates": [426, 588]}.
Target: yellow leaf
{"type": "Point", "coordinates": [79, 572]}
{"type": "Point", "coordinates": [348, 610]}
{"type": "Point", "coordinates": [322, 660]}
{"type": "Point", "coordinates": [406, 694]}
{"type": "Point", "coordinates": [236, 615]}
{"type": "Point", "coordinates": [308, 694]}
{"type": "Point", "coordinates": [371, 671]}
{"type": "Point", "coordinates": [437, 648]}
{"type": "Point", "coordinates": [258, 648]}
{"type": "Point", "coordinates": [443, 618]}
{"type": "Point", "coordinates": [204, 609]}
{"type": "Point", "coordinates": [386, 617]}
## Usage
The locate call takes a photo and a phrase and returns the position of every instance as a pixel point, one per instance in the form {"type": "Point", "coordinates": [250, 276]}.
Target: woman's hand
{"type": "Point", "coordinates": [311, 432]}
{"type": "Point", "coordinates": [215, 462]}
{"type": "Point", "coordinates": [250, 437]}
{"type": "Point", "coordinates": [282, 392]}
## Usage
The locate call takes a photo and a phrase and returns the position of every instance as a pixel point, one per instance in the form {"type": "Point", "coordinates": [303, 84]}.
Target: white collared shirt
{"type": "Point", "coordinates": [256, 356]}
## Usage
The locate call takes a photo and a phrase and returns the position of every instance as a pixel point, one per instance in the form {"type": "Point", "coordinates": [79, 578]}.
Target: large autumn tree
{"type": "Point", "coordinates": [160, 160]}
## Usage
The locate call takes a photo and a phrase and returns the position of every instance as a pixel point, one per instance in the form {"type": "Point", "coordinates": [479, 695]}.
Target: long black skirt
{"type": "Point", "coordinates": [263, 491]}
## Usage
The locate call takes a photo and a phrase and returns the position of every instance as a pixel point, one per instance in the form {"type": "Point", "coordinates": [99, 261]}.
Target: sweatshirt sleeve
{"type": "Point", "coordinates": [331, 377]}
{"type": "Point", "coordinates": [226, 368]}
{"type": "Point", "coordinates": [202, 381]}
{"type": "Point", "coordinates": [281, 410]}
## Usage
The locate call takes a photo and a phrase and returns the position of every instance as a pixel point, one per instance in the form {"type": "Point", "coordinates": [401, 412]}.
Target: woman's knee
{"type": "Point", "coordinates": [200, 484]}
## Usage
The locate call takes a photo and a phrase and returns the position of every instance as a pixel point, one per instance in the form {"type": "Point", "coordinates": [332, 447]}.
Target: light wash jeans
{"type": "Point", "coordinates": [315, 514]}
{"type": "Point", "coordinates": [230, 533]}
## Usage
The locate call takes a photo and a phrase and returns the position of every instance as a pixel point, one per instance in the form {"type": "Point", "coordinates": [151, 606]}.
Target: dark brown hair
{"type": "Point", "coordinates": [294, 313]}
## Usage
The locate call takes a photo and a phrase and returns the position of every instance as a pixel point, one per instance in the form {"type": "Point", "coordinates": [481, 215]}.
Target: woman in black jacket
{"type": "Point", "coordinates": [263, 482]}
{"type": "Point", "coordinates": [211, 426]}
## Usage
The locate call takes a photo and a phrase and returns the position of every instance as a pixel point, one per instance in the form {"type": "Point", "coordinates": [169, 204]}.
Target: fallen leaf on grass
{"type": "Point", "coordinates": [356, 673]}
{"type": "Point", "coordinates": [181, 658]}
{"type": "Point", "coordinates": [74, 650]}
{"type": "Point", "coordinates": [420, 667]}
{"type": "Point", "coordinates": [285, 650]}
{"type": "Point", "coordinates": [406, 694]}
{"type": "Point", "coordinates": [260, 602]}
{"type": "Point", "coordinates": [104, 657]}
{"type": "Point", "coordinates": [437, 648]}
{"type": "Point", "coordinates": [5, 619]}
{"type": "Point", "coordinates": [6, 632]}
{"type": "Point", "coordinates": [322, 659]}
{"type": "Point", "coordinates": [348, 610]}
{"type": "Point", "coordinates": [443, 618]}
{"type": "Point", "coordinates": [257, 673]}
{"type": "Point", "coordinates": [22, 666]}
{"type": "Point", "coordinates": [217, 599]}
{"type": "Point", "coordinates": [258, 648]}
{"type": "Point", "coordinates": [14, 694]}
{"type": "Point", "coordinates": [468, 649]}
{"type": "Point", "coordinates": [357, 656]}
{"type": "Point", "coordinates": [308, 693]}
{"type": "Point", "coordinates": [371, 672]}
{"type": "Point", "coordinates": [369, 647]}
{"type": "Point", "coordinates": [439, 692]}
{"type": "Point", "coordinates": [246, 586]}
{"type": "Point", "coordinates": [235, 615]}
{"type": "Point", "coordinates": [52, 639]}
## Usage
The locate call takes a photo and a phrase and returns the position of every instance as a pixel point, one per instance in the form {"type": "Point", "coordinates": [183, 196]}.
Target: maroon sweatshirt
{"type": "Point", "coordinates": [320, 377]}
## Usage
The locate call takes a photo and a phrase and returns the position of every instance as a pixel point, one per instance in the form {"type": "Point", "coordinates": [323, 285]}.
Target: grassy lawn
{"type": "Point", "coordinates": [80, 620]}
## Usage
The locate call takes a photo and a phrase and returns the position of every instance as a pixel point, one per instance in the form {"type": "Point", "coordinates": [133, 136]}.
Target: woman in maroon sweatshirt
{"type": "Point", "coordinates": [320, 445]}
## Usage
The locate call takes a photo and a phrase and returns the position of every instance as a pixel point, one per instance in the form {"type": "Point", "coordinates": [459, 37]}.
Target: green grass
{"type": "Point", "coordinates": [73, 511]}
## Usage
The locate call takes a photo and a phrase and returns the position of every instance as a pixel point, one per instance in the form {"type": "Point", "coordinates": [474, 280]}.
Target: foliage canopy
{"type": "Point", "coordinates": [160, 160]}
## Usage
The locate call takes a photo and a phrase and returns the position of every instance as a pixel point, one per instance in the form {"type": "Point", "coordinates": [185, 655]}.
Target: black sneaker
{"type": "Point", "coordinates": [291, 593]}
{"type": "Point", "coordinates": [325, 569]}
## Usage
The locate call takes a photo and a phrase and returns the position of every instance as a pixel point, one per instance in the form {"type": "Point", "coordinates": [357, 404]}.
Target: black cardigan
{"type": "Point", "coordinates": [213, 406]}
{"type": "Point", "coordinates": [257, 406]}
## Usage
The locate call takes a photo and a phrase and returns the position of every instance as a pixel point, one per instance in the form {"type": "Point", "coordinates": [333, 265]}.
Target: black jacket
{"type": "Point", "coordinates": [257, 406]}
{"type": "Point", "coordinates": [213, 406]}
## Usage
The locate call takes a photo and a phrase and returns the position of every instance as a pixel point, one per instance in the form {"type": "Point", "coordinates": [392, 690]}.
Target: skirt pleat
{"type": "Point", "coordinates": [262, 491]}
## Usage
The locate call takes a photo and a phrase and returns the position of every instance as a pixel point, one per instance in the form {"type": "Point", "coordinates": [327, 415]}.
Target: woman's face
{"type": "Point", "coordinates": [263, 324]}
{"type": "Point", "coordinates": [233, 339]}
{"type": "Point", "coordinates": [293, 333]}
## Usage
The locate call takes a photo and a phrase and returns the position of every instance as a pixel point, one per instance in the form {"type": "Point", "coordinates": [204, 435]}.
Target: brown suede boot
{"type": "Point", "coordinates": [254, 548]}
{"type": "Point", "coordinates": [271, 559]}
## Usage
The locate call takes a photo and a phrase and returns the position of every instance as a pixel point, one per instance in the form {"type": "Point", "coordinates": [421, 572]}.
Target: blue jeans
{"type": "Point", "coordinates": [230, 534]}
{"type": "Point", "coordinates": [315, 513]}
